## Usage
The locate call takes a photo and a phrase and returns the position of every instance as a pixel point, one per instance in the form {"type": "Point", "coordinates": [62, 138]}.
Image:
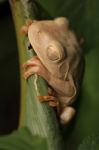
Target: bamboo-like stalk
{"type": "Point", "coordinates": [39, 117]}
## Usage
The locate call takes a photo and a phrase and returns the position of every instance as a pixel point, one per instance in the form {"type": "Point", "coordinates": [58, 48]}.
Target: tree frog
{"type": "Point", "coordinates": [59, 61]}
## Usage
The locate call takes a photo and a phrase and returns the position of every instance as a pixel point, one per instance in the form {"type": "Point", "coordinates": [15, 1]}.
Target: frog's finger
{"type": "Point", "coordinates": [29, 22]}
{"type": "Point", "coordinates": [30, 72]}
{"type": "Point", "coordinates": [31, 62]}
{"type": "Point", "coordinates": [24, 30]}
{"type": "Point", "coordinates": [35, 66]}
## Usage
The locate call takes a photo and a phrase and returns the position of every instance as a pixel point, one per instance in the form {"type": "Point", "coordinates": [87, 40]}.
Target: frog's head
{"type": "Point", "coordinates": [55, 44]}
{"type": "Point", "coordinates": [46, 40]}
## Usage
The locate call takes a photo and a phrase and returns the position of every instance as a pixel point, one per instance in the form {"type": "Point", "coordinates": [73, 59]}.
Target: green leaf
{"type": "Point", "coordinates": [90, 143]}
{"type": "Point", "coordinates": [22, 140]}
{"type": "Point", "coordinates": [84, 18]}
{"type": "Point", "coordinates": [40, 118]}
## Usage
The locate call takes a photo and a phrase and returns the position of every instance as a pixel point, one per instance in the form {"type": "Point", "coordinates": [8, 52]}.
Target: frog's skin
{"type": "Point", "coordinates": [59, 61]}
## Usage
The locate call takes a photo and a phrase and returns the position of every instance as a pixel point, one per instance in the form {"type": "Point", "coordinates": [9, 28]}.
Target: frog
{"type": "Point", "coordinates": [59, 60]}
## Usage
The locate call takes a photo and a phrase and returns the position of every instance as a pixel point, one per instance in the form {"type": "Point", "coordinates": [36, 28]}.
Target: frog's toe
{"type": "Point", "coordinates": [53, 102]}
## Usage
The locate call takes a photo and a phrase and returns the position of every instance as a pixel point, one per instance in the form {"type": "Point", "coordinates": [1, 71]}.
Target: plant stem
{"type": "Point", "coordinates": [40, 118]}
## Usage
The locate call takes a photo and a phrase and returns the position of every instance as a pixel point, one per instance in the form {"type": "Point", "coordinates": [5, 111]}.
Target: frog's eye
{"type": "Point", "coordinates": [55, 52]}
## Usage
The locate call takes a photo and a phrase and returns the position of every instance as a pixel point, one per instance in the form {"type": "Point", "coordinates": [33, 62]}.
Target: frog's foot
{"type": "Point", "coordinates": [34, 66]}
{"type": "Point", "coordinates": [53, 102]}
{"type": "Point", "coordinates": [67, 115]}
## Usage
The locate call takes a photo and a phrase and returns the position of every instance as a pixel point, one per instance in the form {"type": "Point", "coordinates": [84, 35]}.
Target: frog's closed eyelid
{"type": "Point", "coordinates": [55, 52]}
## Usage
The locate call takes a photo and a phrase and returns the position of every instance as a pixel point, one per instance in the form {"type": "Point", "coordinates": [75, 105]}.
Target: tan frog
{"type": "Point", "coordinates": [59, 61]}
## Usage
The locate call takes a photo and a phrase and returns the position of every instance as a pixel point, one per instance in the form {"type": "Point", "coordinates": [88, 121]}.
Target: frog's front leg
{"type": "Point", "coordinates": [34, 66]}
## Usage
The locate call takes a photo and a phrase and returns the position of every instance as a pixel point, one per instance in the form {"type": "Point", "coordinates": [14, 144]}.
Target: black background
{"type": "Point", "coordinates": [9, 72]}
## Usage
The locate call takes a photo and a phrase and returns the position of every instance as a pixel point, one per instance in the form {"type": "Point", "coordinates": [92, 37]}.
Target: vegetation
{"type": "Point", "coordinates": [38, 118]}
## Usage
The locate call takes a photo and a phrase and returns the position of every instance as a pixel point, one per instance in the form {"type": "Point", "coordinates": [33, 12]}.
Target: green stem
{"type": "Point", "coordinates": [40, 118]}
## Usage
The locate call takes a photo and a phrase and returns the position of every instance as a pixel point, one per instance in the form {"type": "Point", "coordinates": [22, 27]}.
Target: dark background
{"type": "Point", "coordinates": [9, 72]}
